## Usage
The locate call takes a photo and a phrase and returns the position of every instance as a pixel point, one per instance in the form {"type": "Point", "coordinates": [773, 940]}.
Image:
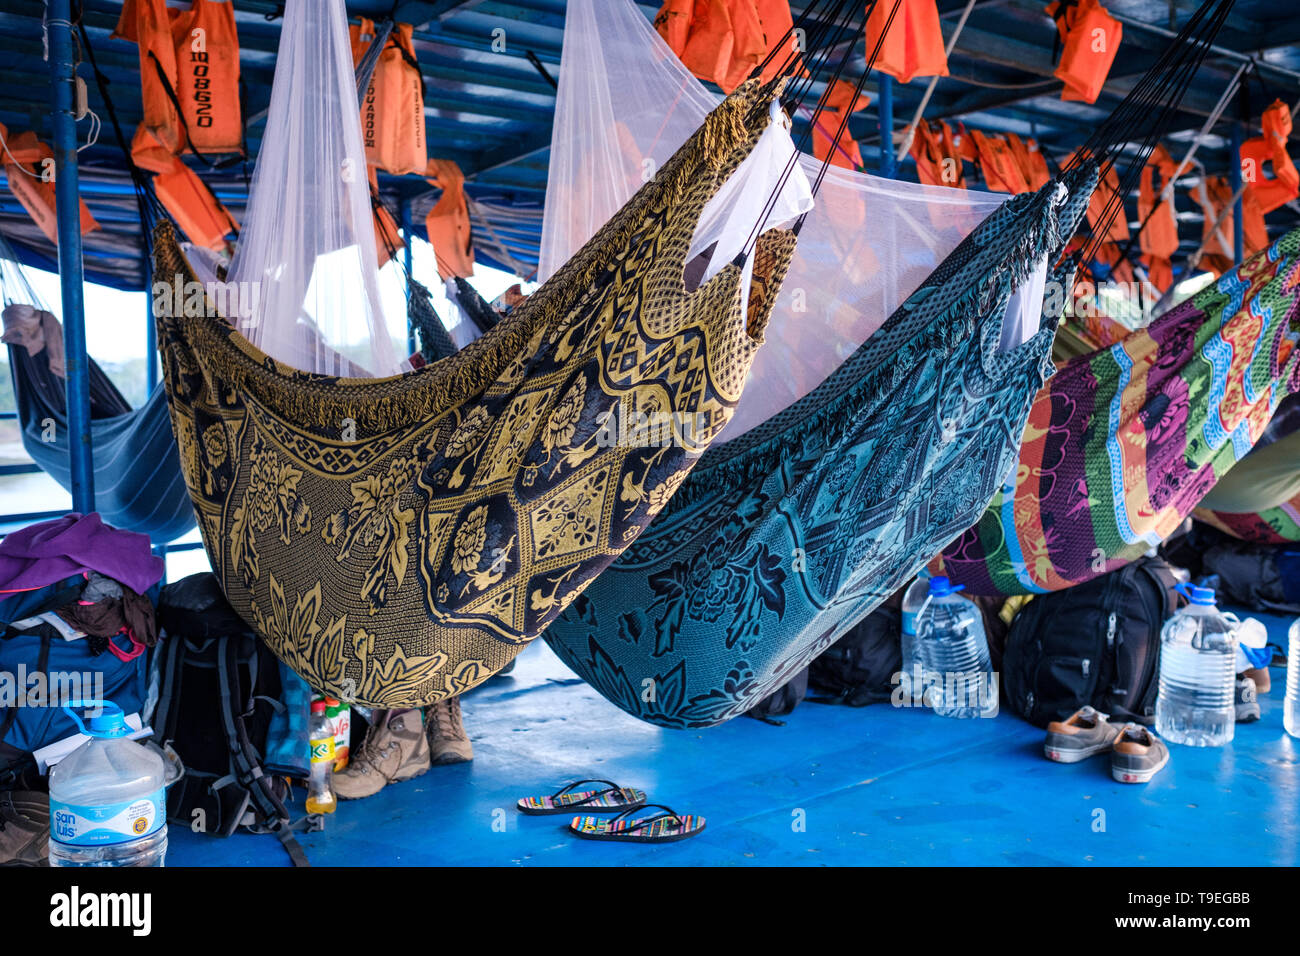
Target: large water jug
{"type": "Point", "coordinates": [914, 599]}
{"type": "Point", "coordinates": [1291, 706]}
{"type": "Point", "coordinates": [954, 653]}
{"type": "Point", "coordinates": [1196, 703]}
{"type": "Point", "coordinates": [108, 804]}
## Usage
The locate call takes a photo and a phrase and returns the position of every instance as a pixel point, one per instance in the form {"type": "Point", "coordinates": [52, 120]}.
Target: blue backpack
{"type": "Point", "coordinates": [39, 668]}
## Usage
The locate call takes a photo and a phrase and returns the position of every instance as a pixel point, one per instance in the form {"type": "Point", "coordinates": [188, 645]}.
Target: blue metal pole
{"type": "Point", "coordinates": [888, 165]}
{"type": "Point", "coordinates": [58, 25]}
{"type": "Point", "coordinates": [1234, 181]}
{"type": "Point", "coordinates": [150, 330]}
{"type": "Point", "coordinates": [405, 210]}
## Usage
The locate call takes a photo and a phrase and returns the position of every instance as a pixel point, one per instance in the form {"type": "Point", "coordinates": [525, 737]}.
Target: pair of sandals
{"type": "Point", "coordinates": [628, 825]}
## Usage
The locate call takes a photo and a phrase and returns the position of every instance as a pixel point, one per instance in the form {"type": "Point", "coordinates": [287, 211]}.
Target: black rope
{"type": "Point", "coordinates": [822, 105]}
{"type": "Point", "coordinates": [834, 33]}
{"type": "Point", "coordinates": [1144, 115]}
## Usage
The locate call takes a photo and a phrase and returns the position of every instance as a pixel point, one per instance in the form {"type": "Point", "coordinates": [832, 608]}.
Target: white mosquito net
{"type": "Point", "coordinates": [625, 104]}
{"type": "Point", "coordinates": [306, 267]}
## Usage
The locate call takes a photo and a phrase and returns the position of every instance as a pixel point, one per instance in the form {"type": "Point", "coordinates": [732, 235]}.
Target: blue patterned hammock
{"type": "Point", "coordinates": [781, 540]}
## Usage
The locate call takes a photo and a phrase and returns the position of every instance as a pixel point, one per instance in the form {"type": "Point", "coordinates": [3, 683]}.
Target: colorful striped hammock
{"type": "Point", "coordinates": [784, 538]}
{"type": "Point", "coordinates": [398, 540]}
{"type": "Point", "coordinates": [1263, 501]}
{"type": "Point", "coordinates": [1122, 444]}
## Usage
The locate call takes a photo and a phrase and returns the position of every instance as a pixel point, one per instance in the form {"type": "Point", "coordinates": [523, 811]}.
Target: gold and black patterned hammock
{"type": "Point", "coordinates": [397, 541]}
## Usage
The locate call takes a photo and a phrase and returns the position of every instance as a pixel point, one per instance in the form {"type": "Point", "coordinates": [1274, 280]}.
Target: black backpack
{"type": "Point", "coordinates": [860, 667]}
{"type": "Point", "coordinates": [1261, 577]}
{"type": "Point", "coordinates": [1096, 643]}
{"type": "Point", "coordinates": [218, 689]}
{"type": "Point", "coordinates": [782, 701]}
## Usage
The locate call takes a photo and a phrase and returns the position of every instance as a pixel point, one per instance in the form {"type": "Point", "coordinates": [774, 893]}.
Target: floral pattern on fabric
{"type": "Point", "coordinates": [397, 541]}
{"type": "Point", "coordinates": [782, 540]}
{"type": "Point", "coordinates": [1123, 443]}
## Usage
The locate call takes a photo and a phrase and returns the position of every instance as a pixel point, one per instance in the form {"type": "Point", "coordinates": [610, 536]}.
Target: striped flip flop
{"type": "Point", "coordinates": [612, 799]}
{"type": "Point", "coordinates": [666, 826]}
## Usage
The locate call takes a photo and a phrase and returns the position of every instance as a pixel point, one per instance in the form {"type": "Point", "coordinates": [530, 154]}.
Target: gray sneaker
{"type": "Point", "coordinates": [1084, 733]}
{"type": "Point", "coordinates": [24, 828]}
{"type": "Point", "coordinates": [394, 750]}
{"type": "Point", "coordinates": [1247, 701]}
{"type": "Point", "coordinates": [448, 742]}
{"type": "Point", "coordinates": [1138, 755]}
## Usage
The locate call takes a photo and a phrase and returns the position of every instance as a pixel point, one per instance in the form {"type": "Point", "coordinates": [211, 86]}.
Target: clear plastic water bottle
{"type": "Point", "coordinates": [320, 793]}
{"type": "Point", "coordinates": [1196, 703]}
{"type": "Point", "coordinates": [913, 600]}
{"type": "Point", "coordinates": [108, 804]}
{"type": "Point", "coordinates": [1291, 706]}
{"type": "Point", "coordinates": [954, 653]}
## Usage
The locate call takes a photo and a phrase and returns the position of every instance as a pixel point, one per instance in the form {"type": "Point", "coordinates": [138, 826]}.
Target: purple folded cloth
{"type": "Point", "coordinates": [50, 551]}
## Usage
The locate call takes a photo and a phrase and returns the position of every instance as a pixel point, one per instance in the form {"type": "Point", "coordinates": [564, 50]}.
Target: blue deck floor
{"type": "Point", "coordinates": [872, 786]}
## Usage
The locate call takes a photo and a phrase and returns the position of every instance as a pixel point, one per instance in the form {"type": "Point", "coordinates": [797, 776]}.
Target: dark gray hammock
{"type": "Point", "coordinates": [780, 541]}
{"type": "Point", "coordinates": [784, 538]}
{"type": "Point", "coordinates": [138, 481]}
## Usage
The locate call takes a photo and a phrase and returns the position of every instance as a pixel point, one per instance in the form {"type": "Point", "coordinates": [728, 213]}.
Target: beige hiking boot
{"type": "Point", "coordinates": [448, 742]}
{"type": "Point", "coordinates": [394, 750]}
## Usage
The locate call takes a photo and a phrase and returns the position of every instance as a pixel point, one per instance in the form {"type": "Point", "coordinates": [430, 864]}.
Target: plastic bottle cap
{"type": "Point", "coordinates": [317, 707]}
{"type": "Point", "coordinates": [1202, 596]}
{"type": "Point", "coordinates": [940, 586]}
{"type": "Point", "coordinates": [110, 722]}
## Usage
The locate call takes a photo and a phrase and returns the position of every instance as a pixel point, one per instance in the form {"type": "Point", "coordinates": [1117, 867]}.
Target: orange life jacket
{"type": "Point", "coordinates": [777, 23]}
{"type": "Point", "coordinates": [202, 217]}
{"type": "Point", "coordinates": [148, 153]}
{"type": "Point", "coordinates": [673, 22]}
{"type": "Point", "coordinates": [1121, 270]}
{"type": "Point", "coordinates": [448, 221]}
{"type": "Point", "coordinates": [392, 113]}
{"type": "Point", "coordinates": [723, 41]}
{"type": "Point", "coordinates": [1218, 244]}
{"type": "Point", "coordinates": [1219, 255]}
{"type": "Point", "coordinates": [913, 45]}
{"type": "Point", "coordinates": [707, 53]}
{"type": "Point", "coordinates": [998, 163]}
{"type": "Point", "coordinates": [1090, 38]}
{"type": "Point", "coordinates": [1109, 253]}
{"type": "Point", "coordinates": [966, 148]}
{"type": "Point", "coordinates": [839, 99]}
{"type": "Point", "coordinates": [1117, 230]}
{"type": "Point", "coordinates": [938, 160]}
{"type": "Point", "coordinates": [1284, 185]}
{"type": "Point", "coordinates": [207, 76]}
{"type": "Point", "coordinates": [748, 44]}
{"type": "Point", "coordinates": [29, 169]}
{"type": "Point", "coordinates": [1159, 237]}
{"type": "Point", "coordinates": [147, 23]}
{"type": "Point", "coordinates": [1160, 272]}
{"type": "Point", "coordinates": [1029, 160]}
